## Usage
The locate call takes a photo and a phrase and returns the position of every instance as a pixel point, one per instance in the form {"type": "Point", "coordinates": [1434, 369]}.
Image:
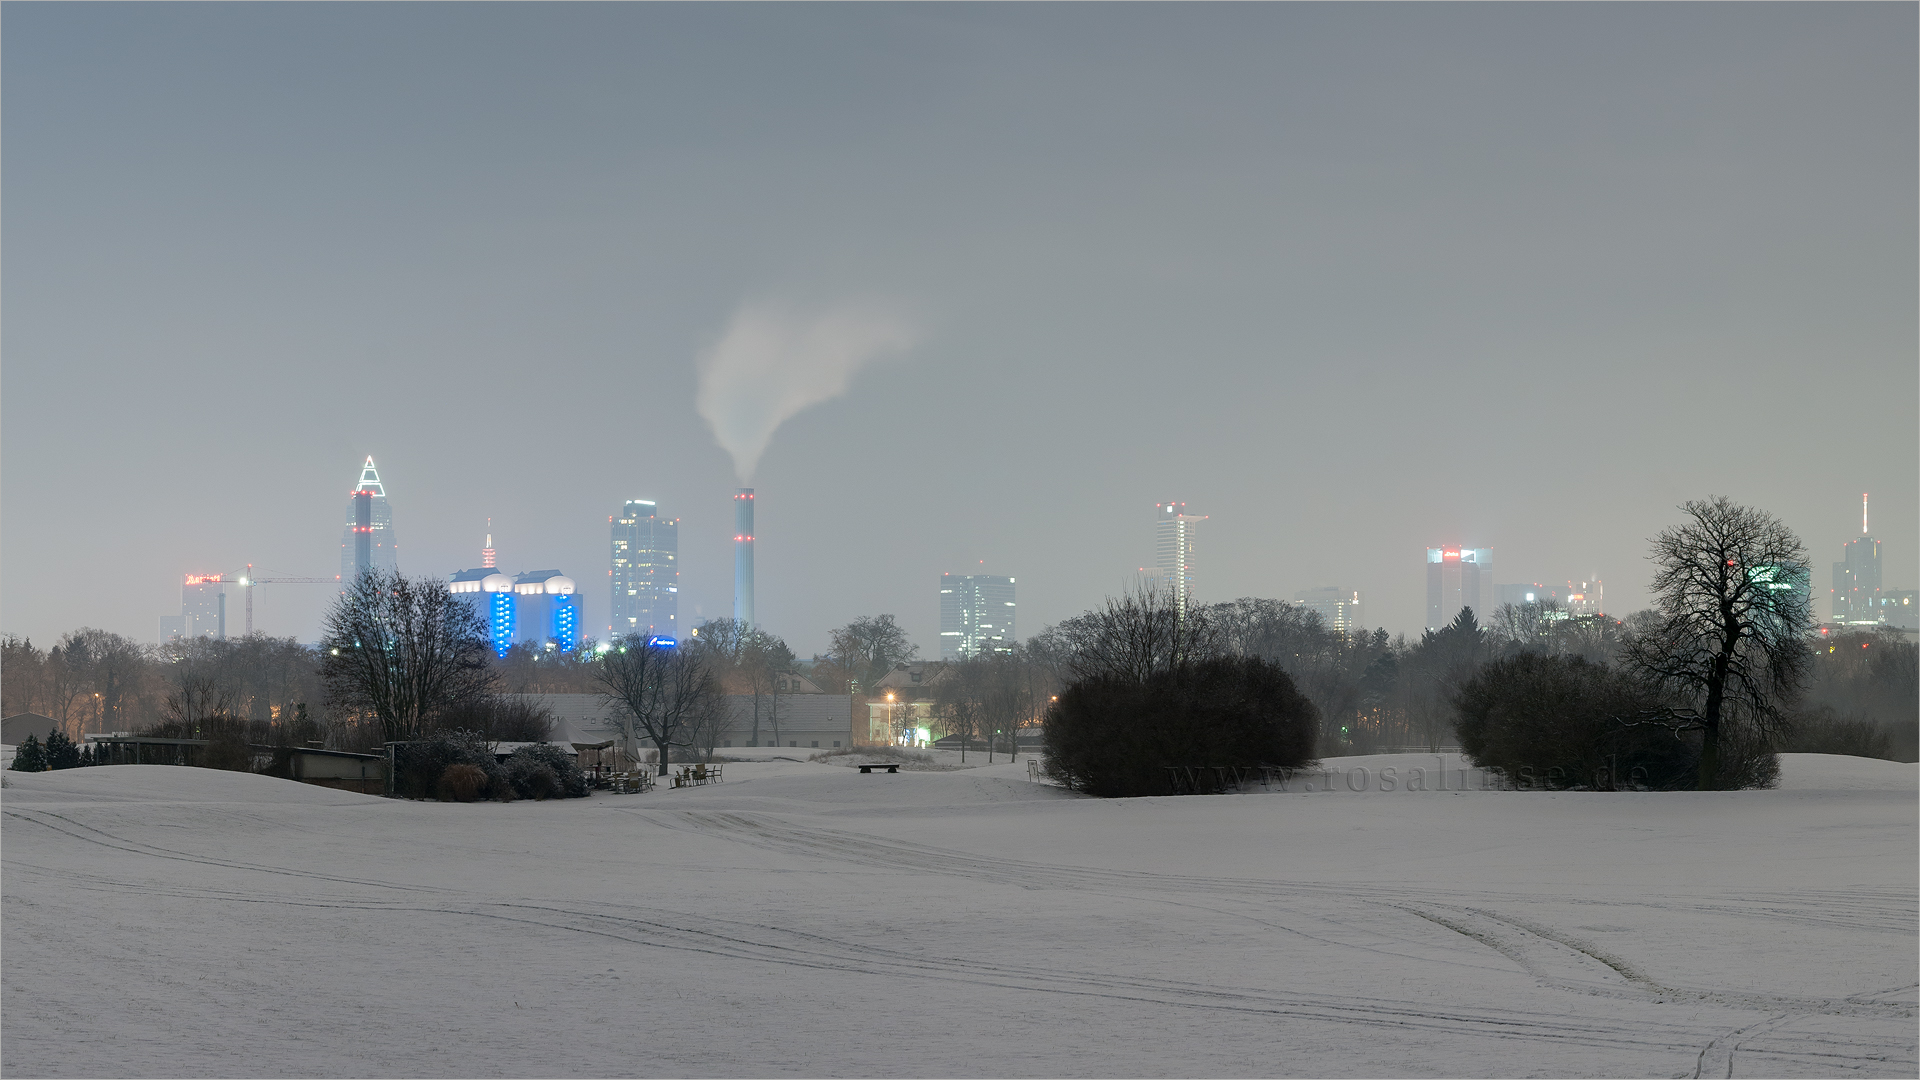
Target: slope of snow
{"type": "Point", "coordinates": [805, 919]}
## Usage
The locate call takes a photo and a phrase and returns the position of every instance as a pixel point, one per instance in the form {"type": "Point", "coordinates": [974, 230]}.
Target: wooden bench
{"type": "Point", "coordinates": [890, 766]}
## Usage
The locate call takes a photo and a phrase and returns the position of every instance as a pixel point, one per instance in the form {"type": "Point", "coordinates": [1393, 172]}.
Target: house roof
{"type": "Point", "coordinates": [909, 676]}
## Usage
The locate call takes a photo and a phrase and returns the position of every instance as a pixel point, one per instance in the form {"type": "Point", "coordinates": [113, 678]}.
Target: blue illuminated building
{"type": "Point", "coordinates": [541, 607]}
{"type": "Point", "coordinates": [547, 607]}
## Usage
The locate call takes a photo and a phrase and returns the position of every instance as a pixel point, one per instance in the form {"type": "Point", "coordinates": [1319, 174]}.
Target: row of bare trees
{"type": "Point", "coordinates": [97, 681]}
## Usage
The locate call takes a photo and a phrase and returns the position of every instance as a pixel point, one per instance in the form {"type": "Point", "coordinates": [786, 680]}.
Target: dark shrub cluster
{"type": "Point", "coordinates": [418, 766]}
{"type": "Point", "coordinates": [544, 771]}
{"type": "Point", "coordinates": [1565, 722]}
{"type": "Point", "coordinates": [58, 752]}
{"type": "Point", "coordinates": [1116, 735]}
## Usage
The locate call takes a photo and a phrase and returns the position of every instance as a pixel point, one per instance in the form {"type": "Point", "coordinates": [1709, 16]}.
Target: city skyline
{"type": "Point", "coordinates": [1402, 236]}
{"type": "Point", "coordinates": [1451, 582]}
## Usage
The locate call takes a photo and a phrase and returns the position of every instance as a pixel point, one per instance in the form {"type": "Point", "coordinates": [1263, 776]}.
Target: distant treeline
{"type": "Point", "coordinates": [1372, 691]}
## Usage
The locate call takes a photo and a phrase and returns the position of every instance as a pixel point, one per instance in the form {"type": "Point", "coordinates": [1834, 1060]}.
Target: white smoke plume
{"type": "Point", "coordinates": [774, 361]}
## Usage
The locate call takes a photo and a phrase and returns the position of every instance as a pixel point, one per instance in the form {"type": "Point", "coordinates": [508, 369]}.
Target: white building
{"type": "Point", "coordinates": [1173, 549]}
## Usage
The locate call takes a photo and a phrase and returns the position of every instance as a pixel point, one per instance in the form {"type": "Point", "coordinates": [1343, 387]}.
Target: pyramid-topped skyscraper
{"type": "Point", "coordinates": [381, 546]}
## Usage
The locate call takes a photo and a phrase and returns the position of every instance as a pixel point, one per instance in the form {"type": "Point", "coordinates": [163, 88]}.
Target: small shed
{"type": "Point", "coordinates": [364, 773]}
{"type": "Point", "coordinates": [15, 729]}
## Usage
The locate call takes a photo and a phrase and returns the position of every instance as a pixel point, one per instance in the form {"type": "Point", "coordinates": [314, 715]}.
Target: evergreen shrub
{"type": "Point", "coordinates": [1116, 736]}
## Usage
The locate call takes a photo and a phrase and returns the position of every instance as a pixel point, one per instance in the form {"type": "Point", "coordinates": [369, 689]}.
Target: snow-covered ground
{"type": "Point", "coordinates": [803, 918]}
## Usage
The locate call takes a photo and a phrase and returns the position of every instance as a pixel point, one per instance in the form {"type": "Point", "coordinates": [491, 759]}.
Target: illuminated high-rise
{"type": "Point", "coordinates": [1173, 549]}
{"type": "Point", "coordinates": [1458, 578]}
{"type": "Point", "coordinates": [645, 572]}
{"type": "Point", "coordinates": [976, 614]}
{"type": "Point", "coordinates": [1338, 608]}
{"type": "Point", "coordinates": [1856, 578]}
{"type": "Point", "coordinates": [380, 542]}
{"type": "Point", "coordinates": [203, 607]}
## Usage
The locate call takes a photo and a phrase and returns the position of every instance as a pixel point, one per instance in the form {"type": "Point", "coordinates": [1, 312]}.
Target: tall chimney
{"type": "Point", "coordinates": [743, 557]}
{"type": "Point", "coordinates": [362, 531]}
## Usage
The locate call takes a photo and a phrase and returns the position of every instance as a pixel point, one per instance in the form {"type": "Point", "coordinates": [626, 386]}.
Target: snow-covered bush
{"type": "Point", "coordinates": [419, 765]}
{"type": "Point", "coordinates": [564, 778]}
{"type": "Point", "coordinates": [1117, 735]}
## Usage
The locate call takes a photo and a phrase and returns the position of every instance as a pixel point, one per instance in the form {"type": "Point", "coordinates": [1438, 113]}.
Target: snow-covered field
{"type": "Point", "coordinates": [804, 918]}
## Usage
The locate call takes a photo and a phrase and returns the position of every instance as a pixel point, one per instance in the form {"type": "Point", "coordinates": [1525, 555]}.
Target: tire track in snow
{"type": "Point", "coordinates": [1551, 956]}
{"type": "Point", "coordinates": [92, 835]}
{"type": "Point", "coordinates": [1889, 910]}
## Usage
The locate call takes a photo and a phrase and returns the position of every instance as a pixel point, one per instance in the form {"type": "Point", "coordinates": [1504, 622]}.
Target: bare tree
{"type": "Point", "coordinates": [1732, 612]}
{"type": "Point", "coordinates": [103, 674]}
{"type": "Point", "coordinates": [869, 647]}
{"type": "Point", "coordinates": [1004, 689]}
{"type": "Point", "coordinates": [200, 682]}
{"type": "Point", "coordinates": [705, 725]}
{"type": "Point", "coordinates": [1137, 635]}
{"type": "Point", "coordinates": [664, 694]}
{"type": "Point", "coordinates": [1526, 626]}
{"type": "Point", "coordinates": [403, 650]}
{"type": "Point", "coordinates": [749, 662]}
{"type": "Point", "coordinates": [23, 677]}
{"type": "Point", "coordinates": [957, 702]}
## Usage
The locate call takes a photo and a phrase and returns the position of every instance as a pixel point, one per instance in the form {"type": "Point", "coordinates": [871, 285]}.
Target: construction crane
{"type": "Point", "coordinates": [248, 581]}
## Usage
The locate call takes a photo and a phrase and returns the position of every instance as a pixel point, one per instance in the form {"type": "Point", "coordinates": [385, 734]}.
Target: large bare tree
{"type": "Point", "coordinates": [667, 695]}
{"type": "Point", "coordinates": [1732, 614]}
{"type": "Point", "coordinates": [869, 646]}
{"type": "Point", "coordinates": [402, 651]}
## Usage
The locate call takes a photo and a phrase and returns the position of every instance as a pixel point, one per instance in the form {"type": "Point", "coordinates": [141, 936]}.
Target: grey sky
{"type": "Point", "coordinates": [1352, 280]}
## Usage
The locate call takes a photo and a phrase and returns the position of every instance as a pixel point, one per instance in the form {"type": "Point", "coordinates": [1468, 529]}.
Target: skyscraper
{"type": "Point", "coordinates": [1457, 578]}
{"type": "Point", "coordinates": [976, 613]}
{"type": "Point", "coordinates": [1339, 608]}
{"type": "Point", "coordinates": [203, 607]}
{"type": "Point", "coordinates": [380, 540]}
{"type": "Point", "coordinates": [1856, 578]}
{"type": "Point", "coordinates": [645, 571]}
{"type": "Point", "coordinates": [1173, 549]}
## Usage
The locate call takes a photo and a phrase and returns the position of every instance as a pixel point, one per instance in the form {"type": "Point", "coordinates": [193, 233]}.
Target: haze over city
{"type": "Point", "coordinates": [912, 539]}
{"type": "Point", "coordinates": [1351, 281]}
